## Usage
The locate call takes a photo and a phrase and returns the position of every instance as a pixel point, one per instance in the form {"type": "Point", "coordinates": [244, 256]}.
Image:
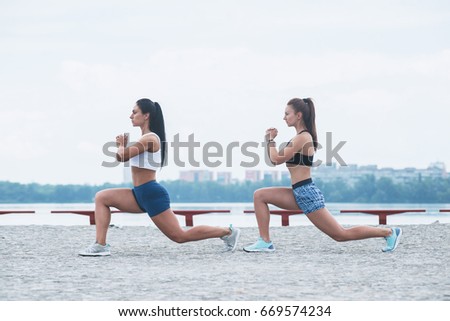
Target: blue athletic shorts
{"type": "Point", "coordinates": [152, 198]}
{"type": "Point", "coordinates": [308, 197]}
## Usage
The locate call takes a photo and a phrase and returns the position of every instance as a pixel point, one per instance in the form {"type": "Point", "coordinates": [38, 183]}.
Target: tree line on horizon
{"type": "Point", "coordinates": [367, 189]}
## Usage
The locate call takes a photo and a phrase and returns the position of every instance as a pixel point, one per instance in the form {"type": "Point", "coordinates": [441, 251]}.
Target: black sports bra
{"type": "Point", "coordinates": [300, 159]}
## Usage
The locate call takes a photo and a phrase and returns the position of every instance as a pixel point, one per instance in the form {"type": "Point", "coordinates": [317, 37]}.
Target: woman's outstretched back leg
{"type": "Point", "coordinates": [169, 226]}
{"type": "Point", "coordinates": [325, 222]}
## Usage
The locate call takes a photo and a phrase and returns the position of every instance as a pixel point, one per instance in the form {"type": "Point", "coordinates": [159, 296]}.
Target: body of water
{"type": "Point", "coordinates": [236, 216]}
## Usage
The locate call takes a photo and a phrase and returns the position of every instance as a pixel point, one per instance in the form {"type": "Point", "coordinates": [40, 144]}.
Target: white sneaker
{"type": "Point", "coordinates": [232, 239]}
{"type": "Point", "coordinates": [96, 250]}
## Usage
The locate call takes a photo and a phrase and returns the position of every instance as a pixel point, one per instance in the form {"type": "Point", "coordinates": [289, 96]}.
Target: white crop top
{"type": "Point", "coordinates": [148, 160]}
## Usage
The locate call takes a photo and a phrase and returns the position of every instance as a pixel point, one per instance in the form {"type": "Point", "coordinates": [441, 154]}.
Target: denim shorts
{"type": "Point", "coordinates": [308, 197]}
{"type": "Point", "coordinates": [152, 198]}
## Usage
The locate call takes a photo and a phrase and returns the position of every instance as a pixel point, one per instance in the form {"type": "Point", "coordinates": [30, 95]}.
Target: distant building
{"type": "Point", "coordinates": [253, 175]}
{"type": "Point", "coordinates": [224, 178]}
{"type": "Point", "coordinates": [437, 169]}
{"type": "Point", "coordinates": [353, 172]}
{"type": "Point", "coordinates": [272, 176]}
{"type": "Point", "coordinates": [196, 176]}
{"type": "Point", "coordinates": [285, 176]}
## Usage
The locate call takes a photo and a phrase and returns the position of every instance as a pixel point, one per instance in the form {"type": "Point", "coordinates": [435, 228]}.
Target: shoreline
{"type": "Point", "coordinates": [43, 216]}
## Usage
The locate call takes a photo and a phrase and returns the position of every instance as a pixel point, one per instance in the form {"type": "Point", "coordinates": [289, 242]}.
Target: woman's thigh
{"type": "Point", "coordinates": [120, 198]}
{"type": "Point", "coordinates": [281, 197]}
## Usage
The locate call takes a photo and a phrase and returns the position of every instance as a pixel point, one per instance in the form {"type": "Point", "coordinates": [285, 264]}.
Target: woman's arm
{"type": "Point", "coordinates": [145, 143]}
{"type": "Point", "coordinates": [294, 146]}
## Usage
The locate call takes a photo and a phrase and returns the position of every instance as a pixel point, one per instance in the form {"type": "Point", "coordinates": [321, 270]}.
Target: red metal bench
{"type": "Point", "coordinates": [188, 214]}
{"type": "Point", "coordinates": [90, 213]}
{"type": "Point", "coordinates": [445, 210]}
{"type": "Point", "coordinates": [382, 214]}
{"type": "Point", "coordinates": [284, 214]}
{"type": "Point", "coordinates": [17, 212]}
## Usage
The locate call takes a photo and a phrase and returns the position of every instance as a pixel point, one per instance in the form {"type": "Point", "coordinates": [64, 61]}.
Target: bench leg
{"type": "Point", "coordinates": [189, 220]}
{"type": "Point", "coordinates": [382, 219]}
{"type": "Point", "coordinates": [284, 220]}
{"type": "Point", "coordinates": [92, 218]}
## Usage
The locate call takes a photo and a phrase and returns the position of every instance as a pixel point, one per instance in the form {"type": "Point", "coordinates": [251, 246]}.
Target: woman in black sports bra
{"type": "Point", "coordinates": [298, 156]}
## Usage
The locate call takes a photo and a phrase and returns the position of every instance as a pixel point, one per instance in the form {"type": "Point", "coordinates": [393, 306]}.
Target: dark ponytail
{"type": "Point", "coordinates": [156, 123]}
{"type": "Point", "coordinates": [306, 107]}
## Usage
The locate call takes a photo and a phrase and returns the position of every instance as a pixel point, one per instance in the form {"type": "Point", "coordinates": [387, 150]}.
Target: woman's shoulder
{"type": "Point", "coordinates": [302, 138]}
{"type": "Point", "coordinates": [150, 136]}
{"type": "Point", "coordinates": [151, 141]}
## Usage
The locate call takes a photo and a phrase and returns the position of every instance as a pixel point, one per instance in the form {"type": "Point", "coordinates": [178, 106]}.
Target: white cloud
{"type": "Point", "coordinates": [80, 76]}
{"type": "Point", "coordinates": [435, 65]}
{"type": "Point", "coordinates": [367, 105]}
{"type": "Point", "coordinates": [378, 72]}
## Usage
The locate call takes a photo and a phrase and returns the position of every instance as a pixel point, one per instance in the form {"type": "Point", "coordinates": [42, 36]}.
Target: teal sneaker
{"type": "Point", "coordinates": [260, 246]}
{"type": "Point", "coordinates": [393, 240]}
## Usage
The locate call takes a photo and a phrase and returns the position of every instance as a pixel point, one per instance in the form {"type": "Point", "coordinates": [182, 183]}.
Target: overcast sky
{"type": "Point", "coordinates": [71, 71]}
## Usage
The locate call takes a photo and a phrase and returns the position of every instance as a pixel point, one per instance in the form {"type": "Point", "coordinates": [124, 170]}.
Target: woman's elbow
{"type": "Point", "coordinates": [277, 161]}
{"type": "Point", "coordinates": [120, 158]}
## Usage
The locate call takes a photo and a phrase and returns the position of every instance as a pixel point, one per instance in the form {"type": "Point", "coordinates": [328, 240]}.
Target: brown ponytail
{"type": "Point", "coordinates": [306, 107]}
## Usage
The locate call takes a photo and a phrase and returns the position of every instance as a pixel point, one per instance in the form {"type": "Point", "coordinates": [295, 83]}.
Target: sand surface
{"type": "Point", "coordinates": [41, 263]}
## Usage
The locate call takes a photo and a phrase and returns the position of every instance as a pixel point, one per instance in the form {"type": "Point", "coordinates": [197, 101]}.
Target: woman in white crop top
{"type": "Point", "coordinates": [146, 156]}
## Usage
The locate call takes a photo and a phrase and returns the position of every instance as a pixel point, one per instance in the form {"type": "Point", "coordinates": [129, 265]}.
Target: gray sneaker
{"type": "Point", "coordinates": [232, 239]}
{"type": "Point", "coordinates": [96, 250]}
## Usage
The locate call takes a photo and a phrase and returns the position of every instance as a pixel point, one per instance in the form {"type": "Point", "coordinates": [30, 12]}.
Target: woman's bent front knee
{"type": "Point", "coordinates": [100, 197]}
{"type": "Point", "coordinates": [106, 197]}
{"type": "Point", "coordinates": [259, 195]}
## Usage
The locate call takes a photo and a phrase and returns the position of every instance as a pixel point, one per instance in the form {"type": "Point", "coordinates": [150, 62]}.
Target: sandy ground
{"type": "Point", "coordinates": [41, 263]}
